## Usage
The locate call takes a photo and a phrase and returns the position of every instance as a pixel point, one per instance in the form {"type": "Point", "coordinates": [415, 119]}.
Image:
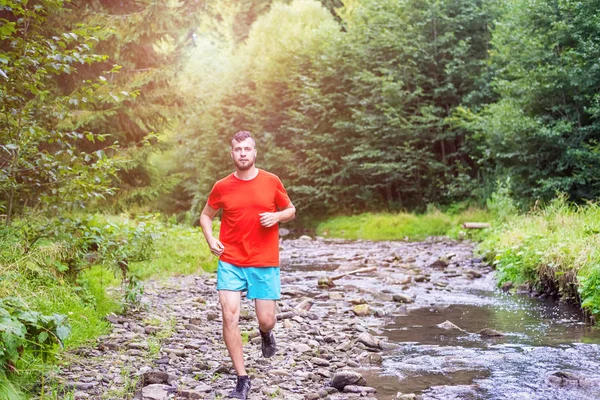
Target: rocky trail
{"type": "Point", "coordinates": [329, 331]}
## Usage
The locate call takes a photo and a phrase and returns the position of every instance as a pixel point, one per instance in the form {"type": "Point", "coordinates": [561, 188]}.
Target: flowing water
{"type": "Point", "coordinates": [547, 351]}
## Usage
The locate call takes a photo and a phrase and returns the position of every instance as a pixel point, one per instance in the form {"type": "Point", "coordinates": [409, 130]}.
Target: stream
{"type": "Point", "coordinates": [435, 350]}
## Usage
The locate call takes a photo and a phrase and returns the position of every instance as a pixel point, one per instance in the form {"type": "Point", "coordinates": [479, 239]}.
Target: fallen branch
{"type": "Point", "coordinates": [356, 271]}
{"type": "Point", "coordinates": [326, 281]}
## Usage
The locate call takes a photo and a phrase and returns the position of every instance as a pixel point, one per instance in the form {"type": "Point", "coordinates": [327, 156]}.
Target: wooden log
{"type": "Point", "coordinates": [475, 225]}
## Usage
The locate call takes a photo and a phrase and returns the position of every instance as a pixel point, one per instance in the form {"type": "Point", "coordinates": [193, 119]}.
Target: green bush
{"type": "Point", "coordinates": [65, 266]}
{"type": "Point", "coordinates": [554, 248]}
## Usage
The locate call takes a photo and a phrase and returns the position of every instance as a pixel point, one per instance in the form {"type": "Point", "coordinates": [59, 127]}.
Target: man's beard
{"type": "Point", "coordinates": [244, 167]}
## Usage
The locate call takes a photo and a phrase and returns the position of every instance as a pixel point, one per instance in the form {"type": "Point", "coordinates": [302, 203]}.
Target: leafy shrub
{"type": "Point", "coordinates": [21, 328]}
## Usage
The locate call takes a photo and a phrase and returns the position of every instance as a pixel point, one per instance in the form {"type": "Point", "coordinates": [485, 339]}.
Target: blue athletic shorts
{"type": "Point", "coordinates": [260, 282]}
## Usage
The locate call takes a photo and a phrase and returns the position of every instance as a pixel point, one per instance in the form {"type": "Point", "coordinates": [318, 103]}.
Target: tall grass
{"type": "Point", "coordinates": [400, 226]}
{"type": "Point", "coordinates": [555, 248]}
{"type": "Point", "coordinates": [89, 295]}
{"type": "Point", "coordinates": [181, 250]}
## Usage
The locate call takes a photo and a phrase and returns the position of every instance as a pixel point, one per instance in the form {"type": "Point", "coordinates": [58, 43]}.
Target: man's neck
{"type": "Point", "coordinates": [248, 174]}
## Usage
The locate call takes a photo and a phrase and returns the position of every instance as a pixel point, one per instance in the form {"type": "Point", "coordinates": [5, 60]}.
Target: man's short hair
{"type": "Point", "coordinates": [241, 136]}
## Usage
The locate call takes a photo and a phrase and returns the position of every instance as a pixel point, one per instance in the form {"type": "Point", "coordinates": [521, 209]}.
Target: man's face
{"type": "Point", "coordinates": [243, 154]}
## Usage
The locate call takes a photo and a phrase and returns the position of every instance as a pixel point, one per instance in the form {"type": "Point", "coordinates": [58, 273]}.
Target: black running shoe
{"type": "Point", "coordinates": [268, 344]}
{"type": "Point", "coordinates": [242, 387]}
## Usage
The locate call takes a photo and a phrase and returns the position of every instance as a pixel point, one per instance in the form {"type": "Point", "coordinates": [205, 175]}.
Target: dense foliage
{"type": "Point", "coordinates": [544, 129]}
{"type": "Point", "coordinates": [358, 105]}
{"type": "Point", "coordinates": [41, 149]}
{"type": "Point", "coordinates": [352, 115]}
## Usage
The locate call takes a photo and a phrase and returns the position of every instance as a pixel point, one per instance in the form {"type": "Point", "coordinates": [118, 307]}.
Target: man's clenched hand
{"type": "Point", "coordinates": [216, 247]}
{"type": "Point", "coordinates": [268, 219]}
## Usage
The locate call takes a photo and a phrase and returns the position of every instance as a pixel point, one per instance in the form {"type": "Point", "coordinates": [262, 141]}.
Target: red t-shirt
{"type": "Point", "coordinates": [247, 243]}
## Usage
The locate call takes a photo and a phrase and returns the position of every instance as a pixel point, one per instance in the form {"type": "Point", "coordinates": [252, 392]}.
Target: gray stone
{"type": "Point", "coordinates": [342, 379]}
{"type": "Point", "coordinates": [157, 392]}
{"type": "Point", "coordinates": [368, 340]}
{"type": "Point", "coordinates": [490, 332]}
{"type": "Point", "coordinates": [402, 298]}
{"type": "Point", "coordinates": [359, 389]}
{"type": "Point", "coordinates": [447, 325]}
{"type": "Point", "coordinates": [155, 377]}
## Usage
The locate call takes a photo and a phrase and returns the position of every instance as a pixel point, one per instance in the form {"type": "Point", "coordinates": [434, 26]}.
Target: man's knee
{"type": "Point", "coordinates": [267, 325]}
{"type": "Point", "coordinates": [266, 320]}
{"type": "Point", "coordinates": [231, 317]}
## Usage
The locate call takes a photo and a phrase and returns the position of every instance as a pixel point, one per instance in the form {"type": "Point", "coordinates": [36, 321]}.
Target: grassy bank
{"type": "Point", "coordinates": [555, 249]}
{"type": "Point", "coordinates": [401, 226]}
{"type": "Point", "coordinates": [75, 271]}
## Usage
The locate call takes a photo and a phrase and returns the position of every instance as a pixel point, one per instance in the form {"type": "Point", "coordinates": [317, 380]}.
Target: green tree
{"type": "Point", "coordinates": [148, 40]}
{"type": "Point", "coordinates": [352, 115]}
{"type": "Point", "coordinates": [41, 161]}
{"type": "Point", "coordinates": [543, 131]}
{"type": "Point", "coordinates": [252, 86]}
{"type": "Point", "coordinates": [373, 125]}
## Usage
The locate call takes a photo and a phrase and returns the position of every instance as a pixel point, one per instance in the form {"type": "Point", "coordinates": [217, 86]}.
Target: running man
{"type": "Point", "coordinates": [253, 201]}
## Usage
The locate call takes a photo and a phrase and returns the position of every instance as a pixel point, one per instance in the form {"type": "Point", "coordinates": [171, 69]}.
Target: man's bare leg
{"type": "Point", "coordinates": [230, 307]}
{"type": "Point", "coordinates": [265, 312]}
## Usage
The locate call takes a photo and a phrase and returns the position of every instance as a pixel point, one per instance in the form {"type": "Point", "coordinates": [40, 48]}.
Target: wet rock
{"type": "Point", "coordinates": [359, 389]}
{"type": "Point", "coordinates": [361, 310]}
{"type": "Point", "coordinates": [506, 286]}
{"type": "Point", "coordinates": [440, 263]}
{"type": "Point", "coordinates": [488, 332]}
{"type": "Point", "coordinates": [409, 396]}
{"type": "Point", "coordinates": [370, 358]}
{"type": "Point", "coordinates": [447, 325]}
{"type": "Point", "coordinates": [387, 346]}
{"type": "Point", "coordinates": [402, 298]}
{"type": "Point", "coordinates": [342, 379]}
{"type": "Point", "coordinates": [565, 378]}
{"type": "Point", "coordinates": [325, 283]}
{"type": "Point", "coordinates": [368, 340]}
{"type": "Point", "coordinates": [473, 274]}
{"type": "Point", "coordinates": [305, 237]}
{"type": "Point", "coordinates": [523, 289]}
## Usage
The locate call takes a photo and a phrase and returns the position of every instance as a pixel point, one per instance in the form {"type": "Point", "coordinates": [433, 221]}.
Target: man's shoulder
{"type": "Point", "coordinates": [225, 179]}
{"type": "Point", "coordinates": [269, 175]}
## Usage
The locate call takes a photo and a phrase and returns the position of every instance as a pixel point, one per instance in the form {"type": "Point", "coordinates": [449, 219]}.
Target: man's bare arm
{"type": "Point", "coordinates": [286, 214]}
{"type": "Point", "coordinates": [206, 218]}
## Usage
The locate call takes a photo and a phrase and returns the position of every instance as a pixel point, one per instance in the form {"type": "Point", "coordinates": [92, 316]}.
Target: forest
{"type": "Point", "coordinates": [116, 119]}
